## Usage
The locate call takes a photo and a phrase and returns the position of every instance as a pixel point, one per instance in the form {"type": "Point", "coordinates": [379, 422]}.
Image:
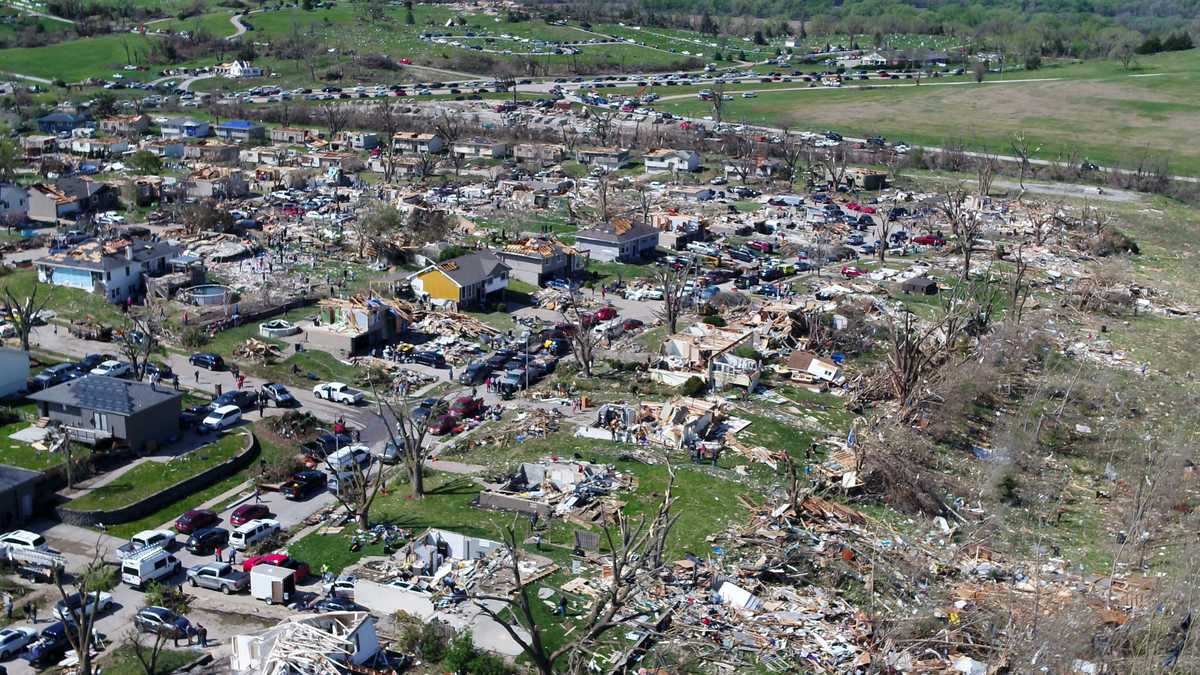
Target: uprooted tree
{"type": "Point", "coordinates": [637, 551]}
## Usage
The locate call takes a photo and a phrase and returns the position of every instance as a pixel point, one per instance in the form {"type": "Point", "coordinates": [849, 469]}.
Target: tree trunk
{"type": "Point", "coordinates": [364, 520]}
{"type": "Point", "coordinates": [417, 478]}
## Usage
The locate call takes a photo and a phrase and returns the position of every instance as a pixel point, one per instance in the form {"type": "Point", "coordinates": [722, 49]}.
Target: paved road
{"type": "Point", "coordinates": [236, 20]}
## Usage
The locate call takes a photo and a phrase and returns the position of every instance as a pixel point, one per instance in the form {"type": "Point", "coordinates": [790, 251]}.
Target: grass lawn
{"type": "Point", "coordinates": [612, 270]}
{"type": "Point", "coordinates": [76, 60]}
{"type": "Point", "coordinates": [315, 366]}
{"type": "Point", "coordinates": [21, 454]}
{"type": "Point", "coordinates": [225, 341]}
{"type": "Point", "coordinates": [269, 452]}
{"type": "Point", "coordinates": [123, 661]}
{"type": "Point", "coordinates": [152, 476]}
{"type": "Point", "coordinates": [69, 303]}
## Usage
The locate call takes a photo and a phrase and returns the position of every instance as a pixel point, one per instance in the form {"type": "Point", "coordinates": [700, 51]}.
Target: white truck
{"type": "Point", "coordinates": [338, 392]}
{"type": "Point", "coordinates": [145, 539]}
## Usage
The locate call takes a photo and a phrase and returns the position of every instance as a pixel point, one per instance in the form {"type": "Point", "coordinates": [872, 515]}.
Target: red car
{"type": "Point", "coordinates": [869, 209]}
{"type": "Point", "coordinates": [929, 240]}
{"type": "Point", "coordinates": [279, 560]}
{"type": "Point", "coordinates": [606, 314]}
{"type": "Point", "coordinates": [196, 519]}
{"type": "Point", "coordinates": [248, 512]}
{"type": "Point", "coordinates": [405, 61]}
{"type": "Point", "coordinates": [466, 406]}
{"type": "Point", "coordinates": [853, 206]}
{"type": "Point", "coordinates": [851, 272]}
{"type": "Point", "coordinates": [632, 324]}
{"type": "Point", "coordinates": [444, 424]}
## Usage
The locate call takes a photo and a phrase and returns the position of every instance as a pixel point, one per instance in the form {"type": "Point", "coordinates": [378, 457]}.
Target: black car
{"type": "Point", "coordinates": [429, 408]}
{"type": "Point", "coordinates": [336, 605]}
{"type": "Point", "coordinates": [51, 645]}
{"type": "Point", "coordinates": [431, 359]}
{"type": "Point", "coordinates": [326, 443]}
{"type": "Point", "coordinates": [474, 374]}
{"type": "Point", "coordinates": [246, 400]}
{"type": "Point", "coordinates": [500, 358]}
{"type": "Point", "coordinates": [303, 484]}
{"type": "Point", "coordinates": [206, 540]}
{"type": "Point", "coordinates": [56, 374]}
{"type": "Point", "coordinates": [207, 360]}
{"type": "Point", "coordinates": [163, 371]}
{"type": "Point", "coordinates": [194, 415]}
{"type": "Point", "coordinates": [91, 361]}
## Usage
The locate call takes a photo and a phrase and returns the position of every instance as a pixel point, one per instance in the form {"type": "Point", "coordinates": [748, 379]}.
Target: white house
{"type": "Point", "coordinates": [183, 127]}
{"type": "Point", "coordinates": [238, 69]}
{"type": "Point", "coordinates": [412, 143]}
{"type": "Point", "coordinates": [668, 159]}
{"type": "Point", "coordinates": [484, 148]}
{"type": "Point", "coordinates": [107, 269]}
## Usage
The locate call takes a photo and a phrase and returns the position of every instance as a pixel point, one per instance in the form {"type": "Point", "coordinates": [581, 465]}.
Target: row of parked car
{"type": "Point", "coordinates": [92, 364]}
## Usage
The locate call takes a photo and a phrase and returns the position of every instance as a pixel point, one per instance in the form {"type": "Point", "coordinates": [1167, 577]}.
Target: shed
{"type": "Point", "coordinates": [17, 495]}
{"type": "Point", "coordinates": [920, 286]}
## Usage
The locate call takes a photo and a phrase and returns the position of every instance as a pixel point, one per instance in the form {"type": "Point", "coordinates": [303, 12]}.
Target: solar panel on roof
{"type": "Point", "coordinates": [103, 393]}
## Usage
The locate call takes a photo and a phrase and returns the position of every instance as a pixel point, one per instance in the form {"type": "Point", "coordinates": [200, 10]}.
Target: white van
{"type": "Point", "coordinates": [24, 539]}
{"type": "Point", "coordinates": [344, 460]}
{"type": "Point", "coordinates": [251, 533]}
{"type": "Point", "coordinates": [148, 565]}
{"type": "Point", "coordinates": [222, 418]}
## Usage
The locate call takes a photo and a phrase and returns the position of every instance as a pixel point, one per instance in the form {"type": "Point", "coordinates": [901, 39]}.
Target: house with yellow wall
{"type": "Point", "coordinates": [471, 280]}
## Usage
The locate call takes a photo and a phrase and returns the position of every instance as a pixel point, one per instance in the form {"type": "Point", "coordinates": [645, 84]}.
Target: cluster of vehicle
{"type": "Point", "coordinates": [92, 364]}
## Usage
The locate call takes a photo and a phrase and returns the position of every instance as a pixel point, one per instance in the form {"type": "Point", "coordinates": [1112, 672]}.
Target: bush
{"type": "Point", "coordinates": [193, 337]}
{"type": "Point", "coordinates": [693, 387]}
{"type": "Point", "coordinates": [452, 252]}
{"type": "Point", "coordinates": [432, 646]}
{"type": "Point", "coordinates": [1008, 490]}
{"type": "Point", "coordinates": [747, 352]}
{"type": "Point", "coordinates": [714, 320]}
{"type": "Point", "coordinates": [463, 659]}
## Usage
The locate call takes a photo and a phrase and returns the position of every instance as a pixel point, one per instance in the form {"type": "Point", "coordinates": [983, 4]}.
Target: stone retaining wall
{"type": "Point", "coordinates": [169, 495]}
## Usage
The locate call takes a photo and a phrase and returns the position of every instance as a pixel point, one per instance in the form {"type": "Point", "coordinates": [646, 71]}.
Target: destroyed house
{"type": "Point", "coordinates": [304, 644]}
{"type": "Point", "coordinates": [539, 259]}
{"type": "Point", "coordinates": [466, 281]}
{"type": "Point", "coordinates": [183, 127]}
{"type": "Point", "coordinates": [619, 240]}
{"type": "Point", "coordinates": [555, 488]}
{"type": "Point", "coordinates": [757, 167]}
{"type": "Point", "coordinates": [668, 159]}
{"type": "Point", "coordinates": [125, 125]}
{"type": "Point", "coordinates": [359, 140]}
{"type": "Point", "coordinates": [482, 148]}
{"type": "Point", "coordinates": [815, 366]}
{"type": "Point", "coordinates": [677, 230]}
{"type": "Point", "coordinates": [216, 182]}
{"type": "Point", "coordinates": [114, 269]}
{"type": "Point", "coordinates": [99, 147]}
{"type": "Point", "coordinates": [48, 204]}
{"type": "Point", "coordinates": [708, 352]}
{"type": "Point", "coordinates": [36, 146]}
{"type": "Point", "coordinates": [166, 147]}
{"type": "Point", "coordinates": [96, 409]}
{"type": "Point", "coordinates": [609, 159]}
{"type": "Point", "coordinates": [60, 121]}
{"type": "Point", "coordinates": [355, 325]}
{"type": "Point", "coordinates": [539, 152]}
{"type": "Point", "coordinates": [292, 135]}
{"type": "Point", "coordinates": [211, 151]}
{"type": "Point", "coordinates": [413, 143]}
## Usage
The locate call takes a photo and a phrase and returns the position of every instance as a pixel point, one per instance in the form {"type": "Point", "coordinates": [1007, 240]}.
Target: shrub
{"type": "Point", "coordinates": [714, 320]}
{"type": "Point", "coordinates": [193, 337]}
{"type": "Point", "coordinates": [1008, 490]}
{"type": "Point", "coordinates": [432, 646]}
{"type": "Point", "coordinates": [747, 352]}
{"type": "Point", "coordinates": [692, 387]}
{"type": "Point", "coordinates": [451, 252]}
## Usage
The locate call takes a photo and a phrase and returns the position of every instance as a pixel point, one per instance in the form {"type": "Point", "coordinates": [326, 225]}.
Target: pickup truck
{"type": "Point", "coordinates": [219, 577]}
{"type": "Point", "coordinates": [163, 538]}
{"type": "Point", "coordinates": [339, 392]}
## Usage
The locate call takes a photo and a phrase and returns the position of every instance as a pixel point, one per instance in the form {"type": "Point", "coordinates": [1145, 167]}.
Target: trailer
{"type": "Point", "coordinates": [272, 584]}
{"type": "Point", "coordinates": [35, 566]}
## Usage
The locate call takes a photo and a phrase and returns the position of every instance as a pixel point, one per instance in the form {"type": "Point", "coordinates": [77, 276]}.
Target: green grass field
{"type": "Point", "coordinates": [1097, 110]}
{"type": "Point", "coordinates": [74, 60]}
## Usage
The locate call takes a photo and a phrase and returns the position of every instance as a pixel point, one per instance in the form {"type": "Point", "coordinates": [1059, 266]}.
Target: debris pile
{"type": "Point", "coordinates": [258, 351]}
{"type": "Point", "coordinates": [579, 491]}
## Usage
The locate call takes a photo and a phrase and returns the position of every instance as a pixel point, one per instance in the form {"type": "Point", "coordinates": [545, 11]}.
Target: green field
{"type": "Point", "coordinates": [74, 60]}
{"type": "Point", "coordinates": [1097, 110]}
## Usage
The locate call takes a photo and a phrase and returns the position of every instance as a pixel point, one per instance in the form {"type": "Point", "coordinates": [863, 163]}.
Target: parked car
{"type": "Point", "coordinates": [300, 569]}
{"type": "Point", "coordinates": [161, 621]}
{"type": "Point", "coordinates": [112, 368]}
{"type": "Point", "coordinates": [221, 418]}
{"type": "Point", "coordinates": [207, 540]}
{"type": "Point", "coordinates": [14, 639]}
{"type": "Point", "coordinates": [929, 240]}
{"type": "Point", "coordinates": [51, 645]}
{"type": "Point", "coordinates": [219, 577]}
{"type": "Point", "coordinates": [74, 606]}
{"type": "Point", "coordinates": [430, 359]}
{"type": "Point", "coordinates": [326, 443]}
{"type": "Point", "coordinates": [91, 361]}
{"type": "Point", "coordinates": [851, 272]}
{"type": "Point", "coordinates": [161, 538]}
{"type": "Point", "coordinates": [336, 605]}
{"type": "Point", "coordinates": [339, 392]}
{"type": "Point", "coordinates": [632, 324]}
{"type": "Point", "coordinates": [207, 360]}
{"type": "Point", "coordinates": [303, 484]}
{"type": "Point", "coordinates": [444, 424]}
{"type": "Point", "coordinates": [277, 395]}
{"type": "Point", "coordinates": [248, 512]}
{"type": "Point", "coordinates": [606, 314]}
{"type": "Point", "coordinates": [253, 532]}
{"type": "Point", "coordinates": [196, 519]}
{"type": "Point", "coordinates": [243, 399]}
{"type": "Point", "coordinates": [25, 540]}
{"type": "Point", "coordinates": [190, 418]}
{"type": "Point", "coordinates": [467, 406]}
{"type": "Point", "coordinates": [51, 376]}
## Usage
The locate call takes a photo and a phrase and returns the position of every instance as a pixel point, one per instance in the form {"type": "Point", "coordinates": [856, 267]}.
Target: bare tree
{"type": "Point", "coordinates": [139, 338]}
{"type": "Point", "coordinates": [833, 163]}
{"type": "Point", "coordinates": [915, 349]}
{"type": "Point", "coordinates": [570, 138]}
{"type": "Point", "coordinates": [1022, 150]}
{"type": "Point", "coordinates": [673, 284]}
{"type": "Point", "coordinates": [426, 163]}
{"type": "Point", "coordinates": [408, 435]}
{"type": "Point", "coordinates": [965, 224]}
{"type": "Point", "coordinates": [24, 309]}
{"type": "Point", "coordinates": [638, 547]}
{"type": "Point", "coordinates": [718, 100]}
{"type": "Point", "coordinates": [357, 486]}
{"type": "Point", "coordinates": [88, 584]}
{"type": "Point", "coordinates": [887, 221]}
{"type": "Point", "coordinates": [985, 174]}
{"type": "Point", "coordinates": [147, 650]}
{"type": "Point", "coordinates": [583, 339]}
{"type": "Point", "coordinates": [388, 122]}
{"type": "Point", "coordinates": [449, 127]}
{"type": "Point", "coordinates": [604, 126]}
{"type": "Point", "coordinates": [335, 116]}
{"type": "Point", "coordinates": [796, 153]}
{"type": "Point", "coordinates": [602, 197]}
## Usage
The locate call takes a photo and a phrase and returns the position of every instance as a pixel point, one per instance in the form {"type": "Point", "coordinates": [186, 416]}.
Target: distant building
{"type": "Point", "coordinates": [412, 143]}
{"type": "Point", "coordinates": [48, 204]}
{"type": "Point", "coordinates": [291, 135]}
{"type": "Point", "coordinates": [183, 127]}
{"type": "Point", "coordinates": [18, 493]}
{"type": "Point", "coordinates": [539, 152]}
{"type": "Point", "coordinates": [238, 69]}
{"type": "Point", "coordinates": [609, 159]}
{"type": "Point", "coordinates": [96, 409]}
{"type": "Point", "coordinates": [466, 281]}
{"type": "Point", "coordinates": [618, 241]}
{"type": "Point", "coordinates": [60, 121]}
{"type": "Point", "coordinates": [14, 202]}
{"type": "Point", "coordinates": [240, 130]}
{"type": "Point", "coordinates": [539, 259]}
{"type": "Point", "coordinates": [667, 159]}
{"type": "Point", "coordinates": [125, 125]}
{"type": "Point", "coordinates": [482, 148]}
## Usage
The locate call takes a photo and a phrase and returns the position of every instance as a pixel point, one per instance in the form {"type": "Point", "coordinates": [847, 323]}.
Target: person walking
{"type": "Point", "coordinates": [201, 635]}
{"type": "Point", "coordinates": [31, 612]}
{"type": "Point", "coordinates": [219, 552]}
{"type": "Point", "coordinates": [197, 376]}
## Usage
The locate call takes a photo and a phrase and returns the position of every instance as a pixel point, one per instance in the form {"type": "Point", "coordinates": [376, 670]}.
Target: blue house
{"type": "Point", "coordinates": [240, 130]}
{"type": "Point", "coordinates": [183, 127]}
{"type": "Point", "coordinates": [60, 122]}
